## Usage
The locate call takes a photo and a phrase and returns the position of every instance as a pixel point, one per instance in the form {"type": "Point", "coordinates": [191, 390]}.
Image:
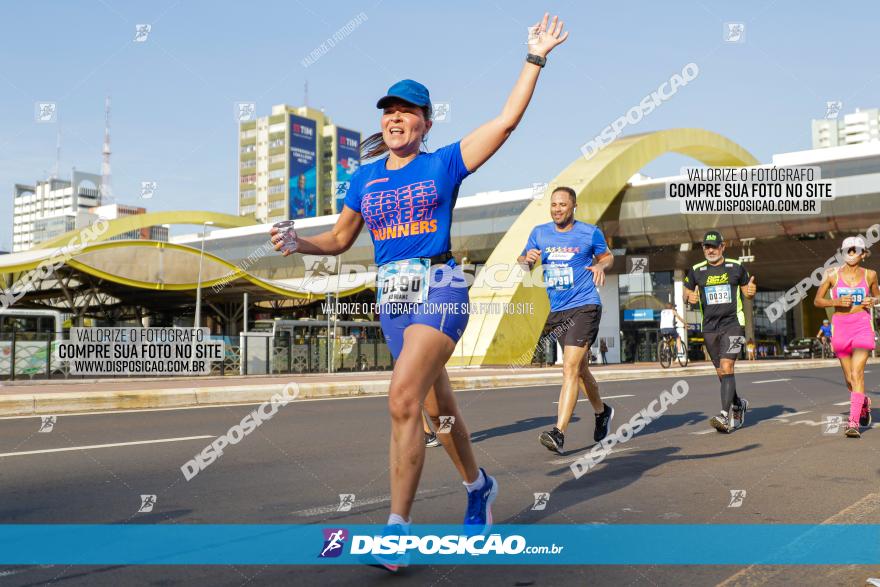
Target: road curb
{"type": "Point", "coordinates": [35, 404]}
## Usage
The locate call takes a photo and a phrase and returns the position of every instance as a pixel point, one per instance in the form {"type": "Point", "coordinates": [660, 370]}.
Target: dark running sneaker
{"type": "Point", "coordinates": [721, 424]}
{"type": "Point", "coordinates": [603, 423]}
{"type": "Point", "coordinates": [431, 440]}
{"type": "Point", "coordinates": [739, 413]}
{"type": "Point", "coordinates": [865, 416]}
{"type": "Point", "coordinates": [853, 432]}
{"type": "Point", "coordinates": [553, 439]}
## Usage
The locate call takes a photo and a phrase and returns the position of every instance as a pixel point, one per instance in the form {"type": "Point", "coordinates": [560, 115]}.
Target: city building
{"type": "Point", "coordinates": [56, 206]}
{"type": "Point", "coordinates": [855, 128]}
{"type": "Point", "coordinates": [294, 163]}
{"type": "Point", "coordinates": [57, 202]}
{"type": "Point", "coordinates": [114, 211]}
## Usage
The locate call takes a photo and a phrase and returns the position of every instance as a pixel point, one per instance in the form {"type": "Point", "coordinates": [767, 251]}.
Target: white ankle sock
{"type": "Point", "coordinates": [477, 484]}
{"type": "Point", "coordinates": [395, 519]}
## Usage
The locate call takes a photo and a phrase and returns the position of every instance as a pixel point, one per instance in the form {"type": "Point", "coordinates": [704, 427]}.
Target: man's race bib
{"type": "Point", "coordinates": [857, 293]}
{"type": "Point", "coordinates": [558, 277]}
{"type": "Point", "coordinates": [718, 294]}
{"type": "Point", "coordinates": [404, 281]}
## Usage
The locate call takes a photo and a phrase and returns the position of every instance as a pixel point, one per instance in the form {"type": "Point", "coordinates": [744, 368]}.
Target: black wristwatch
{"type": "Point", "coordinates": [536, 59]}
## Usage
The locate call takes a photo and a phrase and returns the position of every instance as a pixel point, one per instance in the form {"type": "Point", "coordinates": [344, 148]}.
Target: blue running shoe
{"type": "Point", "coordinates": [390, 562]}
{"type": "Point", "coordinates": [478, 517]}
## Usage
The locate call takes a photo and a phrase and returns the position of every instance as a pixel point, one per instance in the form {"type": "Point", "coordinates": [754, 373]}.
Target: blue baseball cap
{"type": "Point", "coordinates": [407, 90]}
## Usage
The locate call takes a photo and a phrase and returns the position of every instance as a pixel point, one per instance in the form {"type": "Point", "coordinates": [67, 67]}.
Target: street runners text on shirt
{"type": "Point", "coordinates": [358, 308]}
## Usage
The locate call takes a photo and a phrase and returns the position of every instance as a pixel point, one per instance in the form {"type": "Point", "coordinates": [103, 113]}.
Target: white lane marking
{"type": "Point", "coordinates": [567, 460]}
{"type": "Point", "coordinates": [701, 432]}
{"type": "Point", "coordinates": [216, 406]}
{"type": "Point", "coordinates": [11, 572]}
{"type": "Point", "coordinates": [328, 509]}
{"type": "Point", "coordinates": [846, 403]}
{"type": "Point", "coordinates": [791, 415]}
{"type": "Point", "coordinates": [771, 380]}
{"type": "Point", "coordinates": [583, 399]}
{"type": "Point", "coordinates": [93, 446]}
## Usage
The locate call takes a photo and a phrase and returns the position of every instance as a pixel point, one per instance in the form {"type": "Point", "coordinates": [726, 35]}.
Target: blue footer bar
{"type": "Point", "coordinates": [292, 544]}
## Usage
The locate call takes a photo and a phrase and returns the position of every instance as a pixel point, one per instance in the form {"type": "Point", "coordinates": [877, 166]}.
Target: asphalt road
{"type": "Point", "coordinates": [293, 468]}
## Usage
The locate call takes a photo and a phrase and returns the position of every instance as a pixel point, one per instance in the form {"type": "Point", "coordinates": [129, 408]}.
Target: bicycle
{"type": "Point", "coordinates": [669, 347]}
{"type": "Point", "coordinates": [827, 352]}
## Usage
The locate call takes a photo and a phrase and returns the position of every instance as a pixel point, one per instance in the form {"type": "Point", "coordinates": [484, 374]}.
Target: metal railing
{"type": "Point", "coordinates": [31, 355]}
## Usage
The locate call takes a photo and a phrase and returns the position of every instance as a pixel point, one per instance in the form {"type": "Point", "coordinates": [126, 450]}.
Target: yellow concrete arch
{"type": "Point", "coordinates": [125, 224]}
{"type": "Point", "coordinates": [503, 338]}
{"type": "Point", "coordinates": [231, 271]}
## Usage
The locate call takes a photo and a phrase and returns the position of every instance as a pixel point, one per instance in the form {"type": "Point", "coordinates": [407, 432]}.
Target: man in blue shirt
{"type": "Point", "coordinates": [567, 248]}
{"type": "Point", "coordinates": [824, 336]}
{"type": "Point", "coordinates": [824, 331]}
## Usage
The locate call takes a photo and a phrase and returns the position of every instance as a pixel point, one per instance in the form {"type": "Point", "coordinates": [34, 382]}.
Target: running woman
{"type": "Point", "coordinates": [718, 285]}
{"type": "Point", "coordinates": [567, 248]}
{"type": "Point", "coordinates": [852, 324]}
{"type": "Point", "coordinates": [406, 201]}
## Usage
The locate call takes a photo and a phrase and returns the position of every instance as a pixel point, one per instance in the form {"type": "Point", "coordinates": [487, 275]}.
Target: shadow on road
{"type": "Point", "coordinates": [518, 426]}
{"type": "Point", "coordinates": [759, 414]}
{"type": "Point", "coordinates": [623, 471]}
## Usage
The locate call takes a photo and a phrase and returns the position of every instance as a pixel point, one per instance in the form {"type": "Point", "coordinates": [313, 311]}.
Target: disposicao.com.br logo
{"type": "Point", "coordinates": [429, 544]}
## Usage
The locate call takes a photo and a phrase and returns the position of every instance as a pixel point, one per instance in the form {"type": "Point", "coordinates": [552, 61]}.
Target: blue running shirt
{"type": "Point", "coordinates": [565, 257]}
{"type": "Point", "coordinates": [408, 211]}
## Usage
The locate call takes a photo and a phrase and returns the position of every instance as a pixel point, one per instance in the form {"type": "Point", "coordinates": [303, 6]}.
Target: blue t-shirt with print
{"type": "Point", "coordinates": [565, 257]}
{"type": "Point", "coordinates": [408, 211]}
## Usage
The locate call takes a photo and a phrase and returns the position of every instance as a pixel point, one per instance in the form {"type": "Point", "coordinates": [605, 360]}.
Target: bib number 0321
{"type": "Point", "coordinates": [404, 281]}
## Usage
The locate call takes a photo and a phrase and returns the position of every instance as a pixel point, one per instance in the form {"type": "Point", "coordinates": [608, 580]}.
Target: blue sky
{"type": "Point", "coordinates": [174, 95]}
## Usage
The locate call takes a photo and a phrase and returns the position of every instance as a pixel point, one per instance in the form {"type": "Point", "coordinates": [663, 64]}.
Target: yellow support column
{"type": "Point", "coordinates": [509, 339]}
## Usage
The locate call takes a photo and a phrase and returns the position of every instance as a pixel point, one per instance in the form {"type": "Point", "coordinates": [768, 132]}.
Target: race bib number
{"type": "Point", "coordinates": [857, 293]}
{"type": "Point", "coordinates": [558, 277]}
{"type": "Point", "coordinates": [404, 281]}
{"type": "Point", "coordinates": [718, 294]}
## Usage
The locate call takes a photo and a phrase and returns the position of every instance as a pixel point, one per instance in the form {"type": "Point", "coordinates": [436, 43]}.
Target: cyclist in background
{"type": "Point", "coordinates": [824, 336]}
{"type": "Point", "coordinates": [668, 316]}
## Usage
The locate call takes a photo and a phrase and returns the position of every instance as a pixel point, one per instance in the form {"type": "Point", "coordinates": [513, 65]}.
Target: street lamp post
{"type": "Point", "coordinates": [198, 318]}
{"type": "Point", "coordinates": [197, 322]}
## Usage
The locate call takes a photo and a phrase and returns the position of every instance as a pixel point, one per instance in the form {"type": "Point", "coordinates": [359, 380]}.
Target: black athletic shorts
{"type": "Point", "coordinates": [726, 343]}
{"type": "Point", "coordinates": [575, 326]}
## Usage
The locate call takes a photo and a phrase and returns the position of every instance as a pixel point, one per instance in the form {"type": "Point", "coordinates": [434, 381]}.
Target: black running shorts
{"type": "Point", "coordinates": [575, 326]}
{"type": "Point", "coordinates": [726, 343]}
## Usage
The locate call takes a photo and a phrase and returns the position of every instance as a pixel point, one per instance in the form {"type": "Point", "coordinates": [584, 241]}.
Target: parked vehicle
{"type": "Point", "coordinates": [803, 348]}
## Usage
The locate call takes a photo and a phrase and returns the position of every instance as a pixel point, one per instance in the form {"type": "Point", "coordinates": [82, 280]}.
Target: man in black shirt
{"type": "Point", "coordinates": [718, 285]}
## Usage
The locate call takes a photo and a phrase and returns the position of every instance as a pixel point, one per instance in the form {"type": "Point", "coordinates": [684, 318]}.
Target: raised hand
{"type": "Point", "coordinates": [548, 38]}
